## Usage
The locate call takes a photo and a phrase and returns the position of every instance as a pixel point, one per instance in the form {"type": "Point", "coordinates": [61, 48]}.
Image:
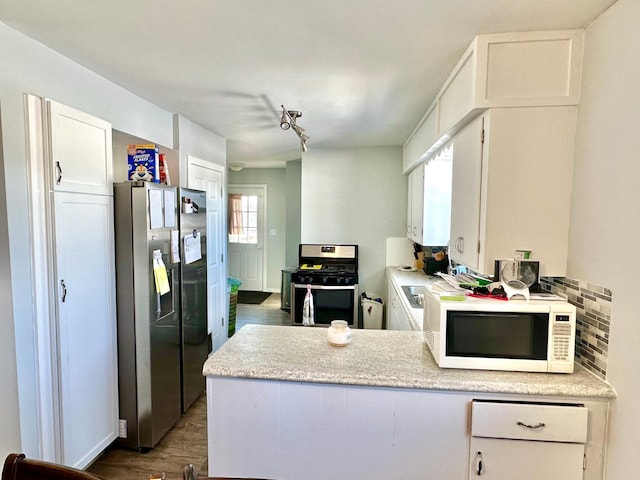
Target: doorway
{"type": "Point", "coordinates": [246, 239]}
{"type": "Point", "coordinates": [210, 177]}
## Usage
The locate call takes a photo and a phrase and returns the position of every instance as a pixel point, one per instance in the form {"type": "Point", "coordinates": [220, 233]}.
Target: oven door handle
{"type": "Point", "coordinates": [325, 287]}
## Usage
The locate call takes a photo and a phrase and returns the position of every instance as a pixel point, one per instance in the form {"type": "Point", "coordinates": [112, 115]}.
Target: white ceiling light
{"type": "Point", "coordinates": [236, 167]}
{"type": "Point", "coordinates": [288, 120]}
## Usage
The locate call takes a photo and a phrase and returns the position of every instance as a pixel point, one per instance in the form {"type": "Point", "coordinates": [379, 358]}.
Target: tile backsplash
{"type": "Point", "coordinates": [593, 319]}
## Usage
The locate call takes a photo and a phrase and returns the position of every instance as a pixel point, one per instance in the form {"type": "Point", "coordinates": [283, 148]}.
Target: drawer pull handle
{"type": "Point", "coordinates": [532, 427]}
{"type": "Point", "coordinates": [479, 463]}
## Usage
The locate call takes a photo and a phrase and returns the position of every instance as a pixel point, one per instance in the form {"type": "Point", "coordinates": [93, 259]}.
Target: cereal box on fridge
{"type": "Point", "coordinates": [143, 163]}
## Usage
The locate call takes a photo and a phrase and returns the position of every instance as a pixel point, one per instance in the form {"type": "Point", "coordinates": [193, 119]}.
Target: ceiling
{"type": "Point", "coordinates": [363, 72]}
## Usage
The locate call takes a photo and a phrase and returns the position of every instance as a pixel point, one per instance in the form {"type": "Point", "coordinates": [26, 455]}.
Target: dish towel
{"type": "Point", "coordinates": [307, 308]}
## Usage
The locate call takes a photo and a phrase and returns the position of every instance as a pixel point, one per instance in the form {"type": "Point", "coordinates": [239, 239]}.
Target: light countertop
{"type": "Point", "coordinates": [377, 358]}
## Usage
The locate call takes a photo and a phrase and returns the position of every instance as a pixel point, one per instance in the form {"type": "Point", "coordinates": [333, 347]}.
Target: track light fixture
{"type": "Point", "coordinates": [284, 121]}
{"type": "Point", "coordinates": [288, 120]}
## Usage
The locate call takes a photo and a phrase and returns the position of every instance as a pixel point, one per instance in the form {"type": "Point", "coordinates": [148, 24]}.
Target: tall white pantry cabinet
{"type": "Point", "coordinates": [78, 151]}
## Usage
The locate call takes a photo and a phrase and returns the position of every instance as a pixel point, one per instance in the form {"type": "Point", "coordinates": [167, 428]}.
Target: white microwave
{"type": "Point", "coordinates": [491, 334]}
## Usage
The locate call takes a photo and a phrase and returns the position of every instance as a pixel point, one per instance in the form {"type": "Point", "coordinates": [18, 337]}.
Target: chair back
{"type": "Point", "coordinates": [17, 467]}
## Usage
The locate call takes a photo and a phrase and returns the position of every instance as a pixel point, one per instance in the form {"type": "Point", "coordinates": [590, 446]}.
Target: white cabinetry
{"type": "Point", "coordinates": [415, 206]}
{"type": "Point", "coordinates": [500, 70]}
{"type": "Point", "coordinates": [513, 191]}
{"type": "Point", "coordinates": [465, 194]}
{"type": "Point", "coordinates": [425, 135]}
{"type": "Point", "coordinates": [527, 441]}
{"type": "Point", "coordinates": [396, 317]}
{"type": "Point", "coordinates": [429, 207]}
{"type": "Point", "coordinates": [80, 151]}
{"type": "Point", "coordinates": [383, 433]}
{"type": "Point", "coordinates": [86, 325]}
{"type": "Point", "coordinates": [80, 235]}
{"type": "Point", "coordinates": [436, 210]}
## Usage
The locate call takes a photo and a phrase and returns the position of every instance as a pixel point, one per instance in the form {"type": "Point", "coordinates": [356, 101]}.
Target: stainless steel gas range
{"type": "Point", "coordinates": [331, 273]}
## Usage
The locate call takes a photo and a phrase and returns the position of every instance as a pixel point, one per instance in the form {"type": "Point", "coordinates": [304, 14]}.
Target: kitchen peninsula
{"type": "Point", "coordinates": [284, 404]}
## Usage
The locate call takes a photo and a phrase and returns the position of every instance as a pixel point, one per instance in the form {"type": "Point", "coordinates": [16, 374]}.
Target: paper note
{"type": "Point", "coordinates": [160, 273]}
{"type": "Point", "coordinates": [192, 249]}
{"type": "Point", "coordinates": [169, 208]}
{"type": "Point", "coordinates": [175, 246]}
{"type": "Point", "coordinates": [155, 209]}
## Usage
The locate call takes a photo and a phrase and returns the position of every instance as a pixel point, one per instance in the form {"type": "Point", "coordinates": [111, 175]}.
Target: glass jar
{"type": "Point", "coordinates": [339, 333]}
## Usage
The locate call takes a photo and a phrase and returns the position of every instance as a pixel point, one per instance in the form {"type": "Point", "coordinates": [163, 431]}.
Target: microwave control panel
{"type": "Point", "coordinates": [562, 327]}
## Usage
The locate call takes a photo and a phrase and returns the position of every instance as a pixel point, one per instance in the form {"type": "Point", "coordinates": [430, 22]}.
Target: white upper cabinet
{"type": "Point", "coordinates": [501, 70]}
{"type": "Point", "coordinates": [429, 206]}
{"type": "Point", "coordinates": [419, 145]}
{"type": "Point", "coordinates": [80, 151]}
{"type": "Point", "coordinates": [528, 69]}
{"type": "Point", "coordinates": [513, 192]}
{"type": "Point", "coordinates": [465, 194]}
{"type": "Point", "coordinates": [436, 210]}
{"type": "Point", "coordinates": [416, 187]}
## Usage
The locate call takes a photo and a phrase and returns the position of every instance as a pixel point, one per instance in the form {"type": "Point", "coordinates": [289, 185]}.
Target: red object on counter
{"type": "Point", "coordinates": [495, 297]}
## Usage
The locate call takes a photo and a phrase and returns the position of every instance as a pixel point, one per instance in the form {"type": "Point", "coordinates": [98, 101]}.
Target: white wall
{"type": "Point", "coordinates": [605, 224]}
{"type": "Point", "coordinates": [193, 140]}
{"type": "Point", "coordinates": [29, 67]}
{"type": "Point", "coordinates": [294, 190]}
{"type": "Point", "coordinates": [355, 195]}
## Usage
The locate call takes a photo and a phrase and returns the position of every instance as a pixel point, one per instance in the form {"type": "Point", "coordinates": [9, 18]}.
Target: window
{"type": "Point", "coordinates": [243, 218]}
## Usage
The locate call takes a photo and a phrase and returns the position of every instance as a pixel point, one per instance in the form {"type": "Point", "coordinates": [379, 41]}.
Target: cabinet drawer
{"type": "Point", "coordinates": [529, 421]}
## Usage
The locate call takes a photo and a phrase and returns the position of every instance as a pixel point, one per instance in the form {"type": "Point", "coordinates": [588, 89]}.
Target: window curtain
{"type": "Point", "coordinates": [235, 214]}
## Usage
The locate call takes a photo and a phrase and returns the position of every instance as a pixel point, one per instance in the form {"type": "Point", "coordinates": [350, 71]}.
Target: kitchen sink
{"type": "Point", "coordinates": [415, 295]}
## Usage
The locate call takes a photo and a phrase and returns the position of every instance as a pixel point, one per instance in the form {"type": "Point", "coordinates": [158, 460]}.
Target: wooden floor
{"type": "Point", "coordinates": [187, 442]}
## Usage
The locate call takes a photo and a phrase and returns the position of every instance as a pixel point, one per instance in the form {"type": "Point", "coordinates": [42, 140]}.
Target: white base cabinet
{"type": "Point", "coordinates": [396, 318]}
{"type": "Point", "coordinates": [314, 431]}
{"type": "Point", "coordinates": [527, 441]}
{"type": "Point", "coordinates": [304, 431]}
{"type": "Point", "coordinates": [497, 459]}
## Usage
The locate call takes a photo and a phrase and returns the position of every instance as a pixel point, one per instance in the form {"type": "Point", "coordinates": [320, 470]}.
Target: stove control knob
{"type": "Point", "coordinates": [339, 280]}
{"type": "Point", "coordinates": [325, 279]}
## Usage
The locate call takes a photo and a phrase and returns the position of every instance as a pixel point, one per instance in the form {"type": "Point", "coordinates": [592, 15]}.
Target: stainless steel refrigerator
{"type": "Point", "coordinates": [149, 353]}
{"type": "Point", "coordinates": [193, 299]}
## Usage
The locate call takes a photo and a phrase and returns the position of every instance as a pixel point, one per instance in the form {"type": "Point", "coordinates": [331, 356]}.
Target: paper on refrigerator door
{"type": "Point", "coordinates": [175, 246]}
{"type": "Point", "coordinates": [160, 273]}
{"type": "Point", "coordinates": [192, 249]}
{"type": "Point", "coordinates": [156, 219]}
{"type": "Point", "coordinates": [169, 208]}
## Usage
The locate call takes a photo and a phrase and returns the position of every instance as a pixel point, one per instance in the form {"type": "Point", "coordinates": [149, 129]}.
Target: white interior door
{"type": "Point", "coordinates": [209, 177]}
{"type": "Point", "coordinates": [246, 248]}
